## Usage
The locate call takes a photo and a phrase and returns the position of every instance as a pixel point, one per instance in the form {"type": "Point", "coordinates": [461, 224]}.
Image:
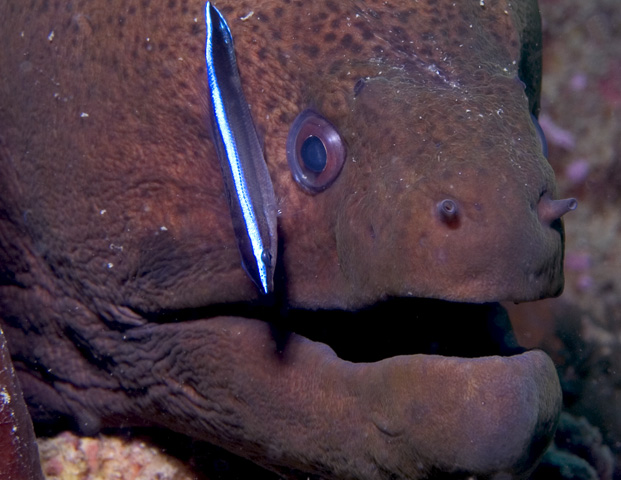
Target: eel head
{"type": "Point", "coordinates": [424, 199]}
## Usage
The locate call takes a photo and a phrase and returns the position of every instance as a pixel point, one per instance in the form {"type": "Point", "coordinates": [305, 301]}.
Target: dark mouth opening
{"type": "Point", "coordinates": [406, 326]}
{"type": "Point", "coordinates": [397, 326]}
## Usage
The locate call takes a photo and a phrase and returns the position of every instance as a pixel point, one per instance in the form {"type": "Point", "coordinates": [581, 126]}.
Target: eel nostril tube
{"type": "Point", "coordinates": [550, 210]}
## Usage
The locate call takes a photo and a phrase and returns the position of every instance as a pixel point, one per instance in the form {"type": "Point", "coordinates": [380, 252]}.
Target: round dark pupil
{"type": "Point", "coordinates": [314, 154]}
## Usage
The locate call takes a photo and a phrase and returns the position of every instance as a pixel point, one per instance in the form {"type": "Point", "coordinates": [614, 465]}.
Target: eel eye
{"type": "Point", "coordinates": [314, 155]}
{"type": "Point", "coordinates": [542, 137]}
{"type": "Point", "coordinates": [315, 151]}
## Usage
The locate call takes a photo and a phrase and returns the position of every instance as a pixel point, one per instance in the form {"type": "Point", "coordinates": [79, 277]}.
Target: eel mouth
{"type": "Point", "coordinates": [407, 326]}
{"type": "Point", "coordinates": [392, 327]}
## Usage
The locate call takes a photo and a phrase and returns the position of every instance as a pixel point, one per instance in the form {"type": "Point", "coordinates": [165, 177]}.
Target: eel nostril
{"type": "Point", "coordinates": [449, 213]}
{"type": "Point", "coordinates": [550, 210]}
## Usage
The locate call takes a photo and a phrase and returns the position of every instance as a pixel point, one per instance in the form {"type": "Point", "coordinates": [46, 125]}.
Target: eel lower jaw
{"type": "Point", "coordinates": [461, 392]}
{"type": "Point", "coordinates": [407, 388]}
{"type": "Point", "coordinates": [439, 388]}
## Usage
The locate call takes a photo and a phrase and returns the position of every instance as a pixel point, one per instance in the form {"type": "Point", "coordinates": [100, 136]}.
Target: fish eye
{"type": "Point", "coordinates": [315, 151]}
{"type": "Point", "coordinates": [542, 136]}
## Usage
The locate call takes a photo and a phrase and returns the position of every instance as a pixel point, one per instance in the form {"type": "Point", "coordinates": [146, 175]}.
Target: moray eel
{"type": "Point", "coordinates": [381, 351]}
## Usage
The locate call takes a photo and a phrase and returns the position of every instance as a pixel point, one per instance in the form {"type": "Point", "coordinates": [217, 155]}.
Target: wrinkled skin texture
{"type": "Point", "coordinates": [116, 241]}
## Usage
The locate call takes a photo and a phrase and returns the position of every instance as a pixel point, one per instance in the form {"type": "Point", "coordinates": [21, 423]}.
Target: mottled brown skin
{"type": "Point", "coordinates": [114, 224]}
